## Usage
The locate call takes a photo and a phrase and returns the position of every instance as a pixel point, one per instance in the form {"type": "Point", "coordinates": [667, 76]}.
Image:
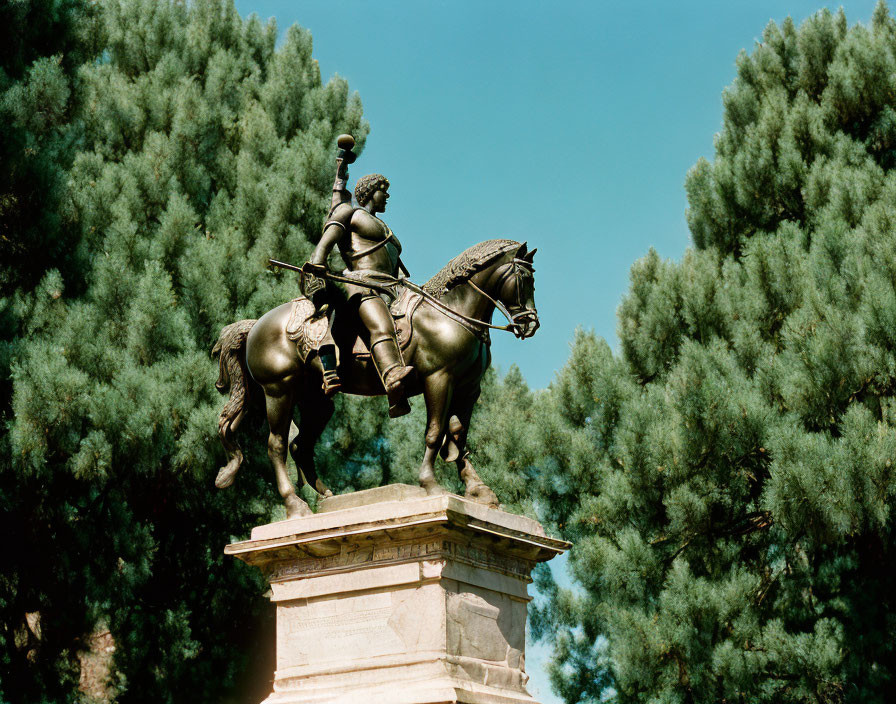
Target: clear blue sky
{"type": "Point", "coordinates": [570, 125]}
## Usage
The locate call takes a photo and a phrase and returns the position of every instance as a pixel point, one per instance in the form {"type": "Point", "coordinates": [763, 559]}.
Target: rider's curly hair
{"type": "Point", "coordinates": [367, 185]}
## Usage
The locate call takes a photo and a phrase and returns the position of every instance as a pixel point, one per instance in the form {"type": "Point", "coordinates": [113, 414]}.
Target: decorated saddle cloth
{"type": "Point", "coordinates": [308, 329]}
{"type": "Point", "coordinates": [311, 331]}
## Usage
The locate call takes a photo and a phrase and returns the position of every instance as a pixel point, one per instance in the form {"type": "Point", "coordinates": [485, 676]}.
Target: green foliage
{"type": "Point", "coordinates": [180, 161]}
{"type": "Point", "coordinates": [728, 480]}
{"type": "Point", "coordinates": [41, 44]}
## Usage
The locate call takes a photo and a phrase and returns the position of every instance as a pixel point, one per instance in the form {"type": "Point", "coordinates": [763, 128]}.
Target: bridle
{"type": "Point", "coordinates": [518, 315]}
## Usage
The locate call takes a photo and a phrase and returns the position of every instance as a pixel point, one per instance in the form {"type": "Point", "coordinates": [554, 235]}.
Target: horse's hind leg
{"type": "Point", "coordinates": [226, 429]}
{"type": "Point", "coordinates": [437, 389]}
{"type": "Point", "coordinates": [316, 410]}
{"type": "Point", "coordinates": [456, 442]}
{"type": "Point", "coordinates": [458, 423]}
{"type": "Point", "coordinates": [278, 402]}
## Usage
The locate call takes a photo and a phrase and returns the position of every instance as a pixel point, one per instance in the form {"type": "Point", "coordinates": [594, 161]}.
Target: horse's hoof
{"type": "Point", "coordinates": [226, 475]}
{"type": "Point", "coordinates": [482, 494]}
{"type": "Point", "coordinates": [433, 488]}
{"type": "Point", "coordinates": [296, 508]}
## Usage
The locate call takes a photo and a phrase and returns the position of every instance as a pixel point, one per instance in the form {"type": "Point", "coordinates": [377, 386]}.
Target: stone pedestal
{"type": "Point", "coordinates": [392, 596]}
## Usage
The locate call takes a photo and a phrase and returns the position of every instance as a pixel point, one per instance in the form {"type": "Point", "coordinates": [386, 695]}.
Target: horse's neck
{"type": "Point", "coordinates": [467, 300]}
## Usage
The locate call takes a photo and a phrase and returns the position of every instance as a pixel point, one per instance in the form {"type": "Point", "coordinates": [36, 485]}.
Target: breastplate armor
{"type": "Point", "coordinates": [371, 245]}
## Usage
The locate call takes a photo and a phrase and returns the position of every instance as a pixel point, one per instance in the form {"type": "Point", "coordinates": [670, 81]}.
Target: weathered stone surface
{"type": "Point", "coordinates": [377, 495]}
{"type": "Point", "coordinates": [367, 517]}
{"type": "Point", "coordinates": [411, 600]}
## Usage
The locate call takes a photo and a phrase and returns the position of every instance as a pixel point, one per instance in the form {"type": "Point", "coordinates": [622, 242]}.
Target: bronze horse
{"type": "Point", "coordinates": [449, 348]}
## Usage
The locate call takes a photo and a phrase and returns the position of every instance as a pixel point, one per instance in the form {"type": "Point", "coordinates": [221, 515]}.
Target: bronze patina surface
{"type": "Point", "coordinates": [441, 349]}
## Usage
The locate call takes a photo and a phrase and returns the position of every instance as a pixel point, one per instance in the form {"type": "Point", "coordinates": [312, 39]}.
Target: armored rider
{"type": "Point", "coordinates": [371, 252]}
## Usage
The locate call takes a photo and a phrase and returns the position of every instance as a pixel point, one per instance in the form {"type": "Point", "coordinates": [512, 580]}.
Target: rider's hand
{"type": "Point", "coordinates": [313, 288]}
{"type": "Point", "coordinates": [314, 269]}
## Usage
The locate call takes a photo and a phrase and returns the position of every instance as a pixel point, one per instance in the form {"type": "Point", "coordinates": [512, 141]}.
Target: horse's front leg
{"type": "Point", "coordinates": [437, 389]}
{"type": "Point", "coordinates": [278, 403]}
{"type": "Point", "coordinates": [458, 427]}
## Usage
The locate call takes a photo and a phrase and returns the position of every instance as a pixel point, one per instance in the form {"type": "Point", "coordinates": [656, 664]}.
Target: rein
{"type": "Point", "coordinates": [453, 314]}
{"type": "Point", "coordinates": [511, 326]}
{"type": "Point", "coordinates": [500, 306]}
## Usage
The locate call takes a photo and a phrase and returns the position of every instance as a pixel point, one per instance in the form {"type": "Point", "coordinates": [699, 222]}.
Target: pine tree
{"type": "Point", "coordinates": [728, 479]}
{"type": "Point", "coordinates": [42, 42]}
{"type": "Point", "coordinates": [41, 45]}
{"type": "Point", "coordinates": [197, 149]}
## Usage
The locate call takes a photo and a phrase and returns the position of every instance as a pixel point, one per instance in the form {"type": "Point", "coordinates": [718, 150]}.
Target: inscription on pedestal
{"type": "Point", "coordinates": [328, 630]}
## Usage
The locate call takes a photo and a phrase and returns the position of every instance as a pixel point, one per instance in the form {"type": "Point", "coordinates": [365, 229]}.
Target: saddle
{"type": "Point", "coordinates": [311, 331]}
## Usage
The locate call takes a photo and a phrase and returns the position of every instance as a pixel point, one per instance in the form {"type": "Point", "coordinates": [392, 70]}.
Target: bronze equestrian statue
{"type": "Point", "coordinates": [301, 352]}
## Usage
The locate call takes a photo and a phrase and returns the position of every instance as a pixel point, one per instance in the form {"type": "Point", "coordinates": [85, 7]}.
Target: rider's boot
{"type": "Point", "coordinates": [332, 384]}
{"type": "Point", "coordinates": [393, 372]}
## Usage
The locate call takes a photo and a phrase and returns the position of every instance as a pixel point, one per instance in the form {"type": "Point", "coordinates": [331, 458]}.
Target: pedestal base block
{"type": "Point", "coordinates": [411, 599]}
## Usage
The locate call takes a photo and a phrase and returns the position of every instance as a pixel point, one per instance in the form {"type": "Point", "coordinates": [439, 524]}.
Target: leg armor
{"type": "Point", "coordinates": [386, 354]}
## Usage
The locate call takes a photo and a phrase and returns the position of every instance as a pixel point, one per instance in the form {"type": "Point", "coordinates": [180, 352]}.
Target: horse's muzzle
{"type": "Point", "coordinates": [525, 323]}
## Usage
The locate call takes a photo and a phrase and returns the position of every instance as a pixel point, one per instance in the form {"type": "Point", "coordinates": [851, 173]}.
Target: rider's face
{"type": "Point", "coordinates": [379, 198]}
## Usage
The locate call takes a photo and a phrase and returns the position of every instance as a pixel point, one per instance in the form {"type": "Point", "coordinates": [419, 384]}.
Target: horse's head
{"type": "Point", "coordinates": [506, 280]}
{"type": "Point", "coordinates": [516, 291]}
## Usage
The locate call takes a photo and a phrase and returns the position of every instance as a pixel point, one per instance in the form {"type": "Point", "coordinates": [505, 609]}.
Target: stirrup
{"type": "Point", "coordinates": [332, 384]}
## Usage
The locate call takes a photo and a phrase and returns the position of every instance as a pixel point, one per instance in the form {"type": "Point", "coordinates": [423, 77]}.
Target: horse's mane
{"type": "Point", "coordinates": [467, 263]}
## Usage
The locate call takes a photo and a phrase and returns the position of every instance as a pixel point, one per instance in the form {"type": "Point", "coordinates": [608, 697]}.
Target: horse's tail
{"type": "Point", "coordinates": [233, 375]}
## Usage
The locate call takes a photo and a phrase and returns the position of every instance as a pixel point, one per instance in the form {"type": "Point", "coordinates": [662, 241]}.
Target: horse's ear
{"type": "Point", "coordinates": [521, 252]}
{"type": "Point", "coordinates": [531, 255]}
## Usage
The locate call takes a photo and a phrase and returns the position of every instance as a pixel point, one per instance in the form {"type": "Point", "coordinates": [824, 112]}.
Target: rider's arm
{"type": "Point", "coordinates": [331, 236]}
{"type": "Point", "coordinates": [334, 231]}
{"type": "Point", "coordinates": [341, 194]}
